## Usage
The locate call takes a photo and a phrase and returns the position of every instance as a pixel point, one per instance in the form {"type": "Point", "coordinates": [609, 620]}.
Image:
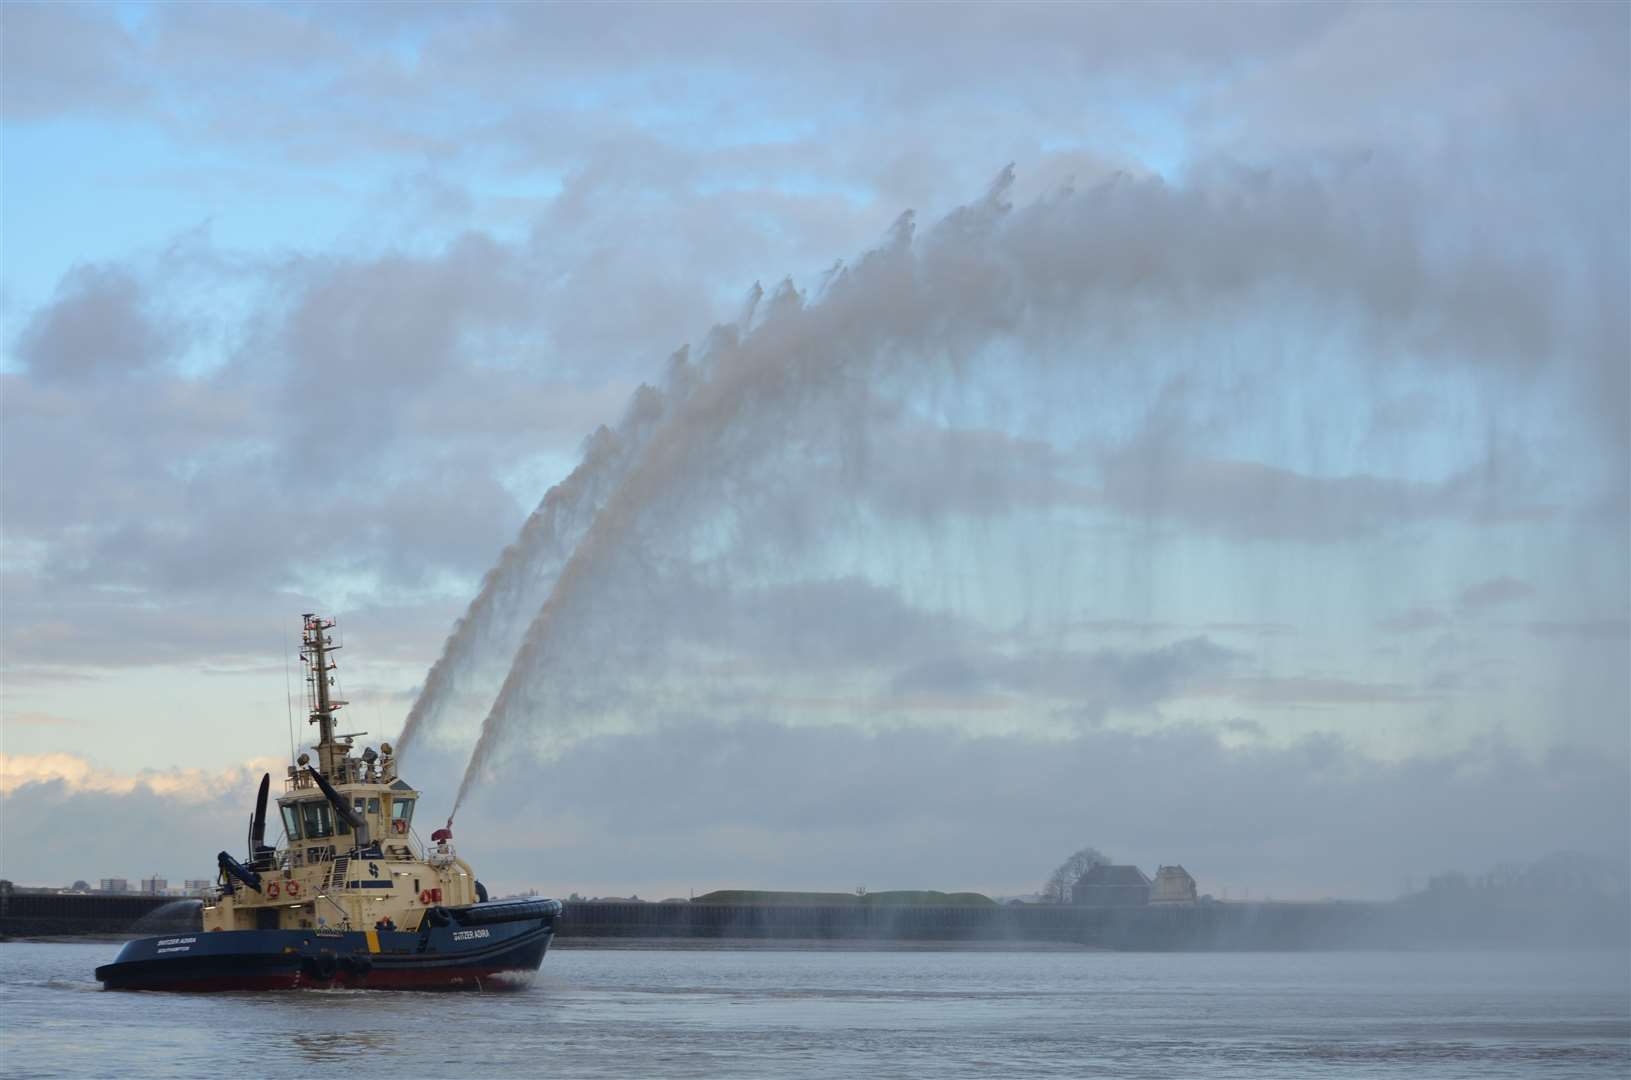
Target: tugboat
{"type": "Point", "coordinates": [351, 898]}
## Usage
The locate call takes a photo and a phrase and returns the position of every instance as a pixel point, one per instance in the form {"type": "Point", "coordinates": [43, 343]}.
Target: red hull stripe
{"type": "Point", "coordinates": [468, 978]}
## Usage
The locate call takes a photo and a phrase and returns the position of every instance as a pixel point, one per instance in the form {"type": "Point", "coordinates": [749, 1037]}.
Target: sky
{"type": "Point", "coordinates": [811, 446]}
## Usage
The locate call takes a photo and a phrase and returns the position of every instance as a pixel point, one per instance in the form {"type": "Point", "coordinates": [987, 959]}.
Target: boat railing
{"type": "Point", "coordinates": [345, 916]}
{"type": "Point", "coordinates": [406, 846]}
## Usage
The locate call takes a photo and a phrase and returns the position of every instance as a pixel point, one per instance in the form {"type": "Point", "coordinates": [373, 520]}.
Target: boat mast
{"type": "Point", "coordinates": [315, 645]}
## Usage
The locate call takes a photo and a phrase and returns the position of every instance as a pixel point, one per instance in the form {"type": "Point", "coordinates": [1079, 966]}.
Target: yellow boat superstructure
{"type": "Point", "coordinates": [351, 897]}
{"type": "Point", "coordinates": [350, 858]}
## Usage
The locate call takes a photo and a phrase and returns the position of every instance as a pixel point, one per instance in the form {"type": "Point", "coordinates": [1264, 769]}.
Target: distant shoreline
{"type": "Point", "coordinates": [671, 943]}
{"type": "Point", "coordinates": [817, 944]}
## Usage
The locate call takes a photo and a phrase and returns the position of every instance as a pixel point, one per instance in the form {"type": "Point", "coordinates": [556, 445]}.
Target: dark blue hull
{"type": "Point", "coordinates": [492, 946]}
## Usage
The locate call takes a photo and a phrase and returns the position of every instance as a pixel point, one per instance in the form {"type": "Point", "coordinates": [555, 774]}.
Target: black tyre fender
{"type": "Point", "coordinates": [481, 893]}
{"type": "Point", "coordinates": [320, 968]}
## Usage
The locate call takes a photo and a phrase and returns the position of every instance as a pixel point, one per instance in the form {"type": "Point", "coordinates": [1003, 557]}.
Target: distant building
{"type": "Point", "coordinates": [114, 884]}
{"type": "Point", "coordinates": [198, 886]}
{"type": "Point", "coordinates": [1173, 885]}
{"type": "Point", "coordinates": [1111, 886]}
{"type": "Point", "coordinates": [155, 886]}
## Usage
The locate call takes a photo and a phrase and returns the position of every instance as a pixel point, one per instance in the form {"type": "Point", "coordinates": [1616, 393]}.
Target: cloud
{"type": "Point", "coordinates": [1589, 629]}
{"type": "Point", "coordinates": [1263, 501]}
{"type": "Point", "coordinates": [1496, 592]}
{"type": "Point", "coordinates": [1094, 684]}
{"type": "Point", "coordinates": [907, 808]}
{"type": "Point", "coordinates": [74, 775]}
{"type": "Point", "coordinates": [96, 326]}
{"type": "Point", "coordinates": [59, 58]}
{"type": "Point", "coordinates": [1414, 620]}
{"type": "Point", "coordinates": [1315, 691]}
{"type": "Point", "coordinates": [1292, 319]}
{"type": "Point", "coordinates": [39, 719]}
{"type": "Point", "coordinates": [705, 805]}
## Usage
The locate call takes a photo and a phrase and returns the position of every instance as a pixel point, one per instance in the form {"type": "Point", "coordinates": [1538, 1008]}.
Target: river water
{"type": "Point", "coordinates": [757, 1012]}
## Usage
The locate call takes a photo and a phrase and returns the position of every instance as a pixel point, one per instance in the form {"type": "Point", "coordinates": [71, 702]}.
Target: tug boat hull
{"type": "Point", "coordinates": [491, 946]}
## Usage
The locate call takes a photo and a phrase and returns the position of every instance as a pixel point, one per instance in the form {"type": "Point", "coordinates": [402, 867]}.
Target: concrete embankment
{"type": "Point", "coordinates": [1242, 926]}
{"type": "Point", "coordinates": [1213, 926]}
{"type": "Point", "coordinates": [1222, 926]}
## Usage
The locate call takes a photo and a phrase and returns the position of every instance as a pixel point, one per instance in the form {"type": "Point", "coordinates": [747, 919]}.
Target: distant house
{"type": "Point", "coordinates": [1111, 886]}
{"type": "Point", "coordinates": [1173, 885]}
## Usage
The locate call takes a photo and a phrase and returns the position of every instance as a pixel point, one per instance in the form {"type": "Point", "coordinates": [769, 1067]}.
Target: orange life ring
{"type": "Point", "coordinates": [293, 888]}
{"type": "Point", "coordinates": [271, 891]}
{"type": "Point", "coordinates": [425, 898]}
{"type": "Point", "coordinates": [399, 825]}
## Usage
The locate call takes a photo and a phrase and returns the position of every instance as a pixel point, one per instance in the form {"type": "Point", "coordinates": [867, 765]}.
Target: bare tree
{"type": "Point", "coordinates": [1057, 889]}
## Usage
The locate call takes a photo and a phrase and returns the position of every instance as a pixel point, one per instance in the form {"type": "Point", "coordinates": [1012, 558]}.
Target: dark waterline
{"type": "Point", "coordinates": [771, 1013]}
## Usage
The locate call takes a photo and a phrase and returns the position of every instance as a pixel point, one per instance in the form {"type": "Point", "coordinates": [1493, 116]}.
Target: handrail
{"type": "Point", "coordinates": [345, 916]}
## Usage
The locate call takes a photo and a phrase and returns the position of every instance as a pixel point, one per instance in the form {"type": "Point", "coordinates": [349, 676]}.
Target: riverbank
{"type": "Point", "coordinates": [1232, 927]}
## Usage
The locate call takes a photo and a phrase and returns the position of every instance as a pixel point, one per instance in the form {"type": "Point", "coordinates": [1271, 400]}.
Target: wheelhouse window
{"type": "Point", "coordinates": [401, 815]}
{"type": "Point", "coordinates": [291, 821]}
{"type": "Point", "coordinates": [314, 818]}
{"type": "Point", "coordinates": [373, 805]}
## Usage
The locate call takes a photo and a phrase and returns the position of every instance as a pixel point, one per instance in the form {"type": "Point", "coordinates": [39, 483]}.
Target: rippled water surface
{"type": "Point", "coordinates": [771, 1013]}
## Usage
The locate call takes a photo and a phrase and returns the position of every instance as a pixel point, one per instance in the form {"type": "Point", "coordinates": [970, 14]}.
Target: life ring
{"type": "Point", "coordinates": [293, 888]}
{"type": "Point", "coordinates": [399, 825]}
{"type": "Point", "coordinates": [426, 897]}
{"type": "Point", "coordinates": [271, 891]}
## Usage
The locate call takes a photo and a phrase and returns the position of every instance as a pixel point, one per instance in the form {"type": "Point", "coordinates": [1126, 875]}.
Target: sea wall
{"type": "Point", "coordinates": [1220, 926]}
{"type": "Point", "coordinates": [1213, 926]}
{"type": "Point", "coordinates": [59, 915]}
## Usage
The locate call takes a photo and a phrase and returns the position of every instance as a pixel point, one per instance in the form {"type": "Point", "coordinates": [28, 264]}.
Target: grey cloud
{"type": "Point", "coordinates": [362, 337]}
{"type": "Point", "coordinates": [58, 633]}
{"type": "Point", "coordinates": [1316, 691]}
{"type": "Point", "coordinates": [916, 808]}
{"type": "Point", "coordinates": [1414, 620]}
{"type": "Point", "coordinates": [98, 325]}
{"type": "Point", "coordinates": [822, 623]}
{"type": "Point", "coordinates": [994, 277]}
{"type": "Point", "coordinates": [913, 808]}
{"type": "Point", "coordinates": [1255, 629]}
{"type": "Point", "coordinates": [1547, 74]}
{"type": "Point", "coordinates": [1251, 499]}
{"type": "Point", "coordinates": [139, 830]}
{"type": "Point", "coordinates": [1095, 683]}
{"type": "Point", "coordinates": [1496, 592]}
{"type": "Point", "coordinates": [63, 58]}
{"type": "Point", "coordinates": [1410, 412]}
{"type": "Point", "coordinates": [1591, 629]}
{"type": "Point", "coordinates": [371, 397]}
{"type": "Point", "coordinates": [1400, 220]}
